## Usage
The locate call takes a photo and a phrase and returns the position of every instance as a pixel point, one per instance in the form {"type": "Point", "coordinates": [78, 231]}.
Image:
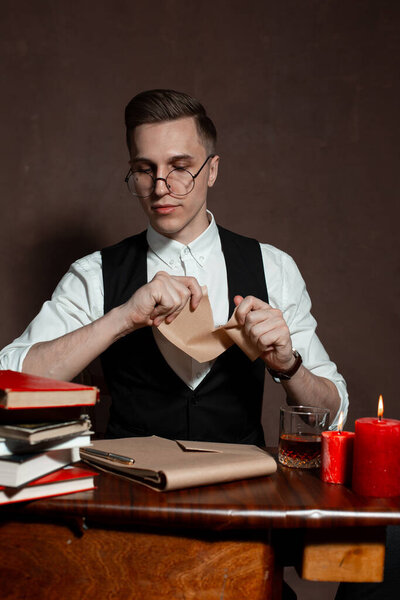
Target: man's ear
{"type": "Point", "coordinates": [213, 172]}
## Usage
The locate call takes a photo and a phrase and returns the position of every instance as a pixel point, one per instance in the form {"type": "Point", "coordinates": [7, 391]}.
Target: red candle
{"type": "Point", "coordinates": [337, 455]}
{"type": "Point", "coordinates": [376, 465]}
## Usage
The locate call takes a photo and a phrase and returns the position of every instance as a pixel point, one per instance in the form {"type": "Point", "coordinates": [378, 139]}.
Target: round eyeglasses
{"type": "Point", "coordinates": [179, 181]}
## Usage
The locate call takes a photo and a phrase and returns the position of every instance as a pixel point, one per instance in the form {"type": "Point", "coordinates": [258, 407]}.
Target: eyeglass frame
{"type": "Point", "coordinates": [155, 179]}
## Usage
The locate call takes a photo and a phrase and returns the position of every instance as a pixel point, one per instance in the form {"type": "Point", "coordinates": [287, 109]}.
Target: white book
{"type": "Point", "coordinates": [8, 447]}
{"type": "Point", "coordinates": [17, 470]}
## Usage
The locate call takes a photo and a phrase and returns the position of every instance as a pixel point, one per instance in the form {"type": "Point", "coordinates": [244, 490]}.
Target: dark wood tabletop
{"type": "Point", "coordinates": [290, 498]}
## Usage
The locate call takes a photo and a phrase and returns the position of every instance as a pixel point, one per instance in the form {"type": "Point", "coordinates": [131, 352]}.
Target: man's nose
{"type": "Point", "coordinates": [160, 186]}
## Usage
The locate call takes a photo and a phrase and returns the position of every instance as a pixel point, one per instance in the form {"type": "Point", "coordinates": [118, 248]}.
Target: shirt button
{"type": "Point", "coordinates": [186, 251]}
{"type": "Point", "coordinates": [171, 262]}
{"type": "Point", "coordinates": [201, 258]}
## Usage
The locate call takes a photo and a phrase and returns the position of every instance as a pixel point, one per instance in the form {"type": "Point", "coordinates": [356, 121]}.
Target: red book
{"type": "Point", "coordinates": [24, 391]}
{"type": "Point", "coordinates": [63, 481]}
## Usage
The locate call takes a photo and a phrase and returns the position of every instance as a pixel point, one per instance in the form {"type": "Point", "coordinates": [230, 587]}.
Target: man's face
{"type": "Point", "coordinates": [162, 147]}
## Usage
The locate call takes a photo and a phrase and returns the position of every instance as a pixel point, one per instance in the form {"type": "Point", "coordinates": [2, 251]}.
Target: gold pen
{"type": "Point", "coordinates": [126, 460]}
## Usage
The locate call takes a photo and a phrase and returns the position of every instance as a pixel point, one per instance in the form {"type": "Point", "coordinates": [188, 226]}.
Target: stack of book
{"type": "Point", "coordinates": [43, 424]}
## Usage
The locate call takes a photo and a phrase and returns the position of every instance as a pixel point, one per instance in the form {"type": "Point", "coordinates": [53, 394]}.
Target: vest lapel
{"type": "Point", "coordinates": [244, 269]}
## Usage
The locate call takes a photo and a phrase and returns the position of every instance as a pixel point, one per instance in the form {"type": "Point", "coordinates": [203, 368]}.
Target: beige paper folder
{"type": "Point", "coordinates": [164, 464]}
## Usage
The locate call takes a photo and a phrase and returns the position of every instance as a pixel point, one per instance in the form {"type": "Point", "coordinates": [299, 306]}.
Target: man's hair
{"type": "Point", "coordinates": [156, 106]}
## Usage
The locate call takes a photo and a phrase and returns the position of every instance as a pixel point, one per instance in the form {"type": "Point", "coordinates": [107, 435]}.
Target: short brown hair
{"type": "Point", "coordinates": [155, 106]}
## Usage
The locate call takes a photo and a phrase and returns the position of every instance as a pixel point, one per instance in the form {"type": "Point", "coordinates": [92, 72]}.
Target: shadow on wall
{"type": "Point", "coordinates": [51, 257]}
{"type": "Point", "coordinates": [40, 265]}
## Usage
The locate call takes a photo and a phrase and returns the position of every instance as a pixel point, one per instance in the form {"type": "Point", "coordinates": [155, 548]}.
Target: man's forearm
{"type": "Point", "coordinates": [307, 389]}
{"type": "Point", "coordinates": [162, 298]}
{"type": "Point", "coordinates": [65, 357]}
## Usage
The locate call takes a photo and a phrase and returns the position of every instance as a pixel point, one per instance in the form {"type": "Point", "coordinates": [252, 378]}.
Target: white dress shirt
{"type": "Point", "coordinates": [79, 296]}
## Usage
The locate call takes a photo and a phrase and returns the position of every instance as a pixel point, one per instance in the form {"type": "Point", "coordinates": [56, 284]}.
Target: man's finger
{"type": "Point", "coordinates": [195, 290]}
{"type": "Point", "coordinates": [248, 304]}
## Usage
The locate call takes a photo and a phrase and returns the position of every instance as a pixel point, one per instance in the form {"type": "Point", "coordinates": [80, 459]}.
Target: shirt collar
{"type": "Point", "coordinates": [172, 252]}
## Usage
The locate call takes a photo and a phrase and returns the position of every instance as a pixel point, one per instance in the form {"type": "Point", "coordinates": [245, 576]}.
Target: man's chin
{"type": "Point", "coordinates": [168, 229]}
{"type": "Point", "coordinates": [183, 230]}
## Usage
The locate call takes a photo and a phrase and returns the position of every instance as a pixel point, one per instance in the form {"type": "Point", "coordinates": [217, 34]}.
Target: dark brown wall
{"type": "Point", "coordinates": [305, 97]}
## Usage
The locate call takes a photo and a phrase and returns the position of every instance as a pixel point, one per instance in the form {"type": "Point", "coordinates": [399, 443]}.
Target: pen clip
{"type": "Point", "coordinates": [126, 460]}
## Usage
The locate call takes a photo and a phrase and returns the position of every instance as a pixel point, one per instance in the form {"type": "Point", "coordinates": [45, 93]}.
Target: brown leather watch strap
{"type": "Point", "coordinates": [286, 375]}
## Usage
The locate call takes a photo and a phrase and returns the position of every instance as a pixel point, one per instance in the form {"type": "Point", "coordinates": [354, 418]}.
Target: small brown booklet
{"type": "Point", "coordinates": [164, 464]}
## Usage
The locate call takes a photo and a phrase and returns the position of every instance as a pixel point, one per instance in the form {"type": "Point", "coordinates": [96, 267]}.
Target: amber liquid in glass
{"type": "Point", "coordinates": [301, 450]}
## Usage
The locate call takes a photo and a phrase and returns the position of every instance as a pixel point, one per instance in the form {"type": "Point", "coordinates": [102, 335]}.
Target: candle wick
{"type": "Point", "coordinates": [380, 418]}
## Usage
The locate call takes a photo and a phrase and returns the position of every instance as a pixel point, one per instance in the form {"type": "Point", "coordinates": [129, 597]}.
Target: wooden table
{"type": "Point", "coordinates": [229, 541]}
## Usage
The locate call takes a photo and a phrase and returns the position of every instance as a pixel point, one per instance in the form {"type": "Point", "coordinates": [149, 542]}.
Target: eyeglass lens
{"type": "Point", "coordinates": [179, 182]}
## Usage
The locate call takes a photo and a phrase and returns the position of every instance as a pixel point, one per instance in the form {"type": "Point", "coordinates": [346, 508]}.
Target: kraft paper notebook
{"type": "Point", "coordinates": [164, 464]}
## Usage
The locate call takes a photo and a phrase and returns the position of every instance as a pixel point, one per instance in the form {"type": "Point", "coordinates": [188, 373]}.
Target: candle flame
{"type": "Point", "coordinates": [340, 422]}
{"type": "Point", "coordinates": [380, 407]}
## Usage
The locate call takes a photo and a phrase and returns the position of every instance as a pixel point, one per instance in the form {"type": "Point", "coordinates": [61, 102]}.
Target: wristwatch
{"type": "Point", "coordinates": [279, 376]}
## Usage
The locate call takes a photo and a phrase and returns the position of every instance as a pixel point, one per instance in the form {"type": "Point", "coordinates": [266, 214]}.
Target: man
{"type": "Point", "coordinates": [111, 302]}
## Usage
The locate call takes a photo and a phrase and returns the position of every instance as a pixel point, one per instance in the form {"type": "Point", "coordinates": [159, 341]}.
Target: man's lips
{"type": "Point", "coordinates": [164, 209]}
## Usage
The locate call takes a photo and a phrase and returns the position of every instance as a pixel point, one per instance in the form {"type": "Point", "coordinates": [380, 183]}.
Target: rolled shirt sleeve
{"type": "Point", "coordinates": [76, 301]}
{"type": "Point", "coordinates": [287, 291]}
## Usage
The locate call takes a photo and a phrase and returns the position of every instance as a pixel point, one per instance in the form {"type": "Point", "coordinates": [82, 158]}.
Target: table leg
{"type": "Point", "coordinates": [343, 554]}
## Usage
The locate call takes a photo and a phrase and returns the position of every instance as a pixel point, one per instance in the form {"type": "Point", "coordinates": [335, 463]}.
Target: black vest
{"type": "Point", "coordinates": [148, 398]}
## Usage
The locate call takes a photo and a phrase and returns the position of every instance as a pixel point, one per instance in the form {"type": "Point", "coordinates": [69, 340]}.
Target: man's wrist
{"type": "Point", "coordinates": [122, 321]}
{"type": "Point", "coordinates": [280, 375]}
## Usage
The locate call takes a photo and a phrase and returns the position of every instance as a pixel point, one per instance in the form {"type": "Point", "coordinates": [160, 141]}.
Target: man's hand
{"type": "Point", "coordinates": [267, 329]}
{"type": "Point", "coordinates": [162, 299]}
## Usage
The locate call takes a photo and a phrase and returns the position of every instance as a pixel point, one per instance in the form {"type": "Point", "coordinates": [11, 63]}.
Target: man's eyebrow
{"type": "Point", "coordinates": [170, 160]}
{"type": "Point", "coordinates": [142, 159]}
{"type": "Point", "coordinates": [180, 157]}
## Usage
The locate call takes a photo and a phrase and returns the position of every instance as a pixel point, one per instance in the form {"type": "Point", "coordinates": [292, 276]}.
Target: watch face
{"type": "Point", "coordinates": [284, 376]}
{"type": "Point", "coordinates": [279, 375]}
